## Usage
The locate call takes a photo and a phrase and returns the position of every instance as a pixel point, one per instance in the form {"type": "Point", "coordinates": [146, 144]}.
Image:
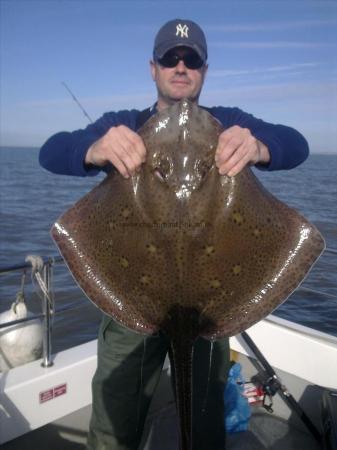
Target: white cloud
{"type": "Point", "coordinates": [300, 92]}
{"type": "Point", "coordinates": [271, 26]}
{"type": "Point", "coordinates": [273, 69]}
{"type": "Point", "coordinates": [269, 44]}
{"type": "Point", "coordinates": [110, 102]}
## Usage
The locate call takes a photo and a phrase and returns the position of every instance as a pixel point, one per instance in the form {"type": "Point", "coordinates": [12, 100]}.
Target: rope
{"type": "Point", "coordinates": [20, 296]}
{"type": "Point", "coordinates": [140, 395]}
{"type": "Point", "coordinates": [37, 267]}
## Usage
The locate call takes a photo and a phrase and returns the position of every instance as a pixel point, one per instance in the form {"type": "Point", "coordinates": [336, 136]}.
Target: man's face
{"type": "Point", "coordinates": [177, 82]}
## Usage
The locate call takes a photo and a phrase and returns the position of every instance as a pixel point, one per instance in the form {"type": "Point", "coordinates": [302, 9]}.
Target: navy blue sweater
{"type": "Point", "coordinates": [64, 153]}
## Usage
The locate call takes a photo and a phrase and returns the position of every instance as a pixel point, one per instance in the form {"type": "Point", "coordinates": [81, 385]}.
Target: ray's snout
{"type": "Point", "coordinates": [183, 174]}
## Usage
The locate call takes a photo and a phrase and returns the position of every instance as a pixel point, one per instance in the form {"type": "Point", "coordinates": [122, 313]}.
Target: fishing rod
{"type": "Point", "coordinates": [77, 102]}
{"type": "Point", "coordinates": [274, 385]}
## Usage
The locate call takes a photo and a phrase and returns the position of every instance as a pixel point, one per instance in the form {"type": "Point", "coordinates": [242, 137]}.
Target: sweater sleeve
{"type": "Point", "coordinates": [287, 147]}
{"type": "Point", "coordinates": [64, 153]}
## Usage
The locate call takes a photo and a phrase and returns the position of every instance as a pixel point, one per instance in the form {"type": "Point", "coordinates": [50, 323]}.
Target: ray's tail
{"type": "Point", "coordinates": [182, 327]}
{"type": "Point", "coordinates": [181, 357]}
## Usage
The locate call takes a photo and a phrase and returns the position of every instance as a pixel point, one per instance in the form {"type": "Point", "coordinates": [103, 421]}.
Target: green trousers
{"type": "Point", "coordinates": [128, 370]}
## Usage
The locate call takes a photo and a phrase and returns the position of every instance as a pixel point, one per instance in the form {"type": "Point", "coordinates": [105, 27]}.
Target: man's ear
{"type": "Point", "coordinates": [153, 69]}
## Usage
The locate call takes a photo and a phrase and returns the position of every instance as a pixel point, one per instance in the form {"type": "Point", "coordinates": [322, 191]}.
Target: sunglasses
{"type": "Point", "coordinates": [191, 60]}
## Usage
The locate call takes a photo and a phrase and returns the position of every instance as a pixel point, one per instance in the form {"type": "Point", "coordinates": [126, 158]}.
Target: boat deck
{"type": "Point", "coordinates": [266, 431]}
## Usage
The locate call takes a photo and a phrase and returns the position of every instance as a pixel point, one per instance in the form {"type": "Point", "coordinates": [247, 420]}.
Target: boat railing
{"type": "Point", "coordinates": [46, 270]}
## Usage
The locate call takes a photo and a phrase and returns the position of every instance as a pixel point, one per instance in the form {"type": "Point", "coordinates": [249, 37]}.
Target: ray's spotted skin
{"type": "Point", "coordinates": [180, 248]}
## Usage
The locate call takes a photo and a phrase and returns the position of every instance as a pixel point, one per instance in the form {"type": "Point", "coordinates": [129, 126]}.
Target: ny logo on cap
{"type": "Point", "coordinates": [182, 29]}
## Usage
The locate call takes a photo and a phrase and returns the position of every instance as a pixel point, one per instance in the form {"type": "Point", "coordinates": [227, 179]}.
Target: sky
{"type": "Point", "coordinates": [274, 59]}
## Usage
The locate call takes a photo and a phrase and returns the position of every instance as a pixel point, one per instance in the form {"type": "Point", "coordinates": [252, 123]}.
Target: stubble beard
{"type": "Point", "coordinates": [168, 100]}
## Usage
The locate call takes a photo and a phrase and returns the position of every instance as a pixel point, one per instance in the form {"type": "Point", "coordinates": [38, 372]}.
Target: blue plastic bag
{"type": "Point", "coordinates": [237, 409]}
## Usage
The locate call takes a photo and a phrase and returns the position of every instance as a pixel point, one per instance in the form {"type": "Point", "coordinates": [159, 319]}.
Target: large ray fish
{"type": "Point", "coordinates": [181, 249]}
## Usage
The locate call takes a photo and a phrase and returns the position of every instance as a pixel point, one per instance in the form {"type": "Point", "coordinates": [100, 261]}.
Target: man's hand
{"type": "Point", "coordinates": [237, 148]}
{"type": "Point", "coordinates": [120, 146]}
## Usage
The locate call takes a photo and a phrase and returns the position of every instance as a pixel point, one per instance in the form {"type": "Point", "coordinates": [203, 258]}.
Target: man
{"type": "Point", "coordinates": [129, 365]}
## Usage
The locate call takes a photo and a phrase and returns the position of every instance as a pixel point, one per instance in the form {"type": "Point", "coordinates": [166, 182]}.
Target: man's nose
{"type": "Point", "coordinates": [180, 67]}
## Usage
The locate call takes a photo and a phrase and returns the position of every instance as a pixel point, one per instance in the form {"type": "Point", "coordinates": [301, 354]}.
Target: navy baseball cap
{"type": "Point", "coordinates": [179, 32]}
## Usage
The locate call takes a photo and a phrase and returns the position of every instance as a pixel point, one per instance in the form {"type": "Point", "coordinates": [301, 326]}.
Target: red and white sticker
{"type": "Point", "coordinates": [54, 392]}
{"type": "Point", "coordinates": [253, 393]}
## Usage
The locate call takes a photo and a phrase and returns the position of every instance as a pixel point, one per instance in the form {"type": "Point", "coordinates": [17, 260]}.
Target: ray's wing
{"type": "Point", "coordinates": [252, 256]}
{"type": "Point", "coordinates": [116, 256]}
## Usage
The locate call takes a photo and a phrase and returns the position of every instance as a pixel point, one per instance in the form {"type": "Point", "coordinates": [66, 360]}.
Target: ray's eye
{"type": "Point", "coordinates": [159, 174]}
{"type": "Point", "coordinates": [162, 169]}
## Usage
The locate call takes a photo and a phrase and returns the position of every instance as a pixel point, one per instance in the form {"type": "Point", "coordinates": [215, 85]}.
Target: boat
{"type": "Point", "coordinates": [290, 374]}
